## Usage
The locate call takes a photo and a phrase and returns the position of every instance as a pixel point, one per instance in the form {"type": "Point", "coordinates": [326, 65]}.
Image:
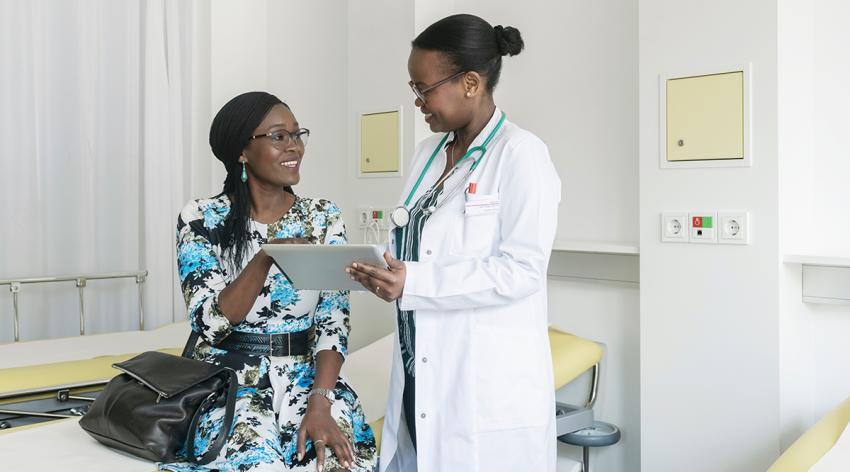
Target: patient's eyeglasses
{"type": "Point", "coordinates": [420, 93]}
{"type": "Point", "coordinates": [281, 139]}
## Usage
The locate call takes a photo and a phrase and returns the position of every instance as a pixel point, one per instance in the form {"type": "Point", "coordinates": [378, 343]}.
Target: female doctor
{"type": "Point", "coordinates": [471, 386]}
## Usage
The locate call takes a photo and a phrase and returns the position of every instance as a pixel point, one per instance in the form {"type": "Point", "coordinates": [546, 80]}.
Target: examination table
{"type": "Point", "coordinates": [39, 443]}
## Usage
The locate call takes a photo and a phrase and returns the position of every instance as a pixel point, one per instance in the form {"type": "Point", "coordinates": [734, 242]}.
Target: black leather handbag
{"type": "Point", "coordinates": [151, 410]}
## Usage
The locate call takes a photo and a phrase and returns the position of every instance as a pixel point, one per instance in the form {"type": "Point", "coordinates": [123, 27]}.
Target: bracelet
{"type": "Point", "coordinates": [325, 392]}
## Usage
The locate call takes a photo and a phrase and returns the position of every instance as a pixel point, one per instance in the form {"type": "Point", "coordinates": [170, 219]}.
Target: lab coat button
{"type": "Point", "coordinates": [424, 359]}
{"type": "Point", "coordinates": [428, 252]}
{"type": "Point", "coordinates": [422, 416]}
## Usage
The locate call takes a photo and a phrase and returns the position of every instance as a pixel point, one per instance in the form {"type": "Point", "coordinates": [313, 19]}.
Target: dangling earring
{"type": "Point", "coordinates": [468, 93]}
{"type": "Point", "coordinates": [244, 173]}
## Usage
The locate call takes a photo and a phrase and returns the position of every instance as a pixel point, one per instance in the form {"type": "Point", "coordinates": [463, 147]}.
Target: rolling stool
{"type": "Point", "coordinates": [598, 435]}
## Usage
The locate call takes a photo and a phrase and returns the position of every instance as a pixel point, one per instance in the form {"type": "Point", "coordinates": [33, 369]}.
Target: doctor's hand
{"type": "Point", "coordinates": [387, 284]}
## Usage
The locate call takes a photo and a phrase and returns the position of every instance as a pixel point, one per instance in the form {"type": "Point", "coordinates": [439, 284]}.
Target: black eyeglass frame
{"type": "Point", "coordinates": [420, 93]}
{"type": "Point", "coordinates": [295, 137]}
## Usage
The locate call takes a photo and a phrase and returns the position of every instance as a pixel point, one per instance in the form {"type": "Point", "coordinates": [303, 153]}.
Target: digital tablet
{"type": "Point", "coordinates": [322, 267]}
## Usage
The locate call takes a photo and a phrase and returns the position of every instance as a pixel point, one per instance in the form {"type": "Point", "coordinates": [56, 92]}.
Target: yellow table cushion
{"type": "Point", "coordinates": [63, 373]}
{"type": "Point", "coordinates": [814, 443]}
{"type": "Point", "coordinates": [571, 355]}
{"type": "Point", "coordinates": [377, 427]}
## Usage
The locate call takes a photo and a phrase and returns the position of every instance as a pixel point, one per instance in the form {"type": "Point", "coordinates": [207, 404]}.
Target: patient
{"type": "Point", "coordinates": [292, 405]}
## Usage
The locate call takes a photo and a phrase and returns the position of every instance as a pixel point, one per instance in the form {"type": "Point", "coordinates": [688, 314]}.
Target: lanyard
{"type": "Point", "coordinates": [482, 149]}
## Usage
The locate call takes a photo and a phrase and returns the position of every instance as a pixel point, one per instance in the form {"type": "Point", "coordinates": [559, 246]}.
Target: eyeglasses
{"type": "Point", "coordinates": [281, 139]}
{"type": "Point", "coordinates": [420, 93]}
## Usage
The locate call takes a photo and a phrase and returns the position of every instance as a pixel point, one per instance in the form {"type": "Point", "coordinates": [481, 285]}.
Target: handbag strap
{"type": "Point", "coordinates": [190, 344]}
{"type": "Point", "coordinates": [226, 425]}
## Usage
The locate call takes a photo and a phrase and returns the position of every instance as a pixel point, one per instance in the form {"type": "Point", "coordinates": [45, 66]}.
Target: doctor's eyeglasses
{"type": "Point", "coordinates": [281, 139]}
{"type": "Point", "coordinates": [420, 92]}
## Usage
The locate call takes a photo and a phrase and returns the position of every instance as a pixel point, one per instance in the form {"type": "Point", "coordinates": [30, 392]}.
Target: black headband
{"type": "Point", "coordinates": [234, 124]}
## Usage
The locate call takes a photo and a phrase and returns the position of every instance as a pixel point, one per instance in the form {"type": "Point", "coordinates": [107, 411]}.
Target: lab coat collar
{"type": "Point", "coordinates": [494, 120]}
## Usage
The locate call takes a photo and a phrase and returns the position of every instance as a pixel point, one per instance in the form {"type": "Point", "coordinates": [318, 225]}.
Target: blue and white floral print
{"type": "Point", "coordinates": [272, 398]}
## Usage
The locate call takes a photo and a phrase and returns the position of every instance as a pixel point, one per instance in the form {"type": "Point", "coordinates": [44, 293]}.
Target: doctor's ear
{"type": "Point", "coordinates": [472, 83]}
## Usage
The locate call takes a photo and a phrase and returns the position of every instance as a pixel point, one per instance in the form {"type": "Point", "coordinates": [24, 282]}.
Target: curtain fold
{"type": "Point", "coordinates": [98, 128]}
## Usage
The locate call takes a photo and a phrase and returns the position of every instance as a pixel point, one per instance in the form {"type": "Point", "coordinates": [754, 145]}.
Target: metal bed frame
{"type": "Point", "coordinates": [81, 281]}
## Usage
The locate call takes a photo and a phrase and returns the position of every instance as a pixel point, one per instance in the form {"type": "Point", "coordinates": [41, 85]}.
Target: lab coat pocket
{"type": "Point", "coordinates": [508, 388]}
{"type": "Point", "coordinates": [480, 225]}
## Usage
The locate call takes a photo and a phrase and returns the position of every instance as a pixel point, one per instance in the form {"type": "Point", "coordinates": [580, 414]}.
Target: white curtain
{"type": "Point", "coordinates": [100, 104]}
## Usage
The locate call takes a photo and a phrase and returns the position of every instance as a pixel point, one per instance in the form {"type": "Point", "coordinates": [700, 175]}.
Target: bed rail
{"type": "Point", "coordinates": [81, 281]}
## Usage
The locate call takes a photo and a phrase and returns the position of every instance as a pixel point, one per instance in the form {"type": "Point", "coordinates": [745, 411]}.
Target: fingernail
{"type": "Point", "coordinates": [300, 456]}
{"type": "Point", "coordinates": [352, 278]}
{"type": "Point", "coordinates": [354, 265]}
{"type": "Point", "coordinates": [319, 468]}
{"type": "Point", "coordinates": [347, 270]}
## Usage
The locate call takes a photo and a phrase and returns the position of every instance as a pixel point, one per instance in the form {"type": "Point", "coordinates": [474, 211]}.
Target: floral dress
{"type": "Point", "coordinates": [272, 398]}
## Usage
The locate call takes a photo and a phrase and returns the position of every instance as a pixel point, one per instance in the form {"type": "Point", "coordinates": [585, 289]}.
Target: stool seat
{"type": "Point", "coordinates": [598, 435]}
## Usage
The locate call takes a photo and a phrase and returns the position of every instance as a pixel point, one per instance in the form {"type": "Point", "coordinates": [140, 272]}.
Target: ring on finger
{"type": "Point", "coordinates": [377, 288]}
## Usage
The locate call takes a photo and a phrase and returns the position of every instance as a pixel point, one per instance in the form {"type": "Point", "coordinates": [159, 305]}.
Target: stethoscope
{"type": "Point", "coordinates": [400, 217]}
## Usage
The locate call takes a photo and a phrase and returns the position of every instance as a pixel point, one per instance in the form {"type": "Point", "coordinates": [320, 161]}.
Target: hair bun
{"type": "Point", "coordinates": [509, 40]}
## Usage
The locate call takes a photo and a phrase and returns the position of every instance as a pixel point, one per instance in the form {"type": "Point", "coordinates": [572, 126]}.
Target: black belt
{"type": "Point", "coordinates": [281, 344]}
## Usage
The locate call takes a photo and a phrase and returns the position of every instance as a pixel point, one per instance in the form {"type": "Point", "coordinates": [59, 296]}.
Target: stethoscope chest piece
{"type": "Point", "coordinates": [400, 217]}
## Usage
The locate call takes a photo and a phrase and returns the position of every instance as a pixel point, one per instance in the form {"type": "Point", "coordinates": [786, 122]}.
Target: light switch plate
{"type": "Point", "coordinates": [674, 227]}
{"type": "Point", "coordinates": [703, 227]}
{"type": "Point", "coordinates": [733, 227]}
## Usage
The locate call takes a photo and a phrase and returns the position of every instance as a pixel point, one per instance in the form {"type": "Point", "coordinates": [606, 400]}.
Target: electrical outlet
{"type": "Point", "coordinates": [674, 227]}
{"type": "Point", "coordinates": [703, 227]}
{"type": "Point", "coordinates": [734, 227]}
{"type": "Point", "coordinates": [364, 215]}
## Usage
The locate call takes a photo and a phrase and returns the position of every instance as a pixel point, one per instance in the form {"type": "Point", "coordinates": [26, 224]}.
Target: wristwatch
{"type": "Point", "coordinates": [325, 392]}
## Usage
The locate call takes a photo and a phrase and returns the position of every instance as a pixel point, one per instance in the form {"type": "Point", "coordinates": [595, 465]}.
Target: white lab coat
{"type": "Point", "coordinates": [484, 388]}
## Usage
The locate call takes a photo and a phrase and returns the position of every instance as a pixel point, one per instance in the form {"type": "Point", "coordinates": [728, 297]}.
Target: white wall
{"type": "Point", "coordinates": [795, 68]}
{"type": "Point", "coordinates": [238, 61]}
{"type": "Point", "coordinates": [575, 86]}
{"type": "Point", "coordinates": [709, 323]}
{"type": "Point", "coordinates": [813, 99]}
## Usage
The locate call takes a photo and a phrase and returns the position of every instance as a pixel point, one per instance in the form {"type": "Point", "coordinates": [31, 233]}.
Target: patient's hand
{"type": "Point", "coordinates": [319, 425]}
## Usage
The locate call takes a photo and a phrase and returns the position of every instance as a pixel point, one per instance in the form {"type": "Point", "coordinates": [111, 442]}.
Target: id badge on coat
{"type": "Point", "coordinates": [482, 204]}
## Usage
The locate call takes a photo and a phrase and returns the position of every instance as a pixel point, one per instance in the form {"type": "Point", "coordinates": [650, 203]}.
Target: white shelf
{"type": "Point", "coordinates": [825, 279]}
{"type": "Point", "coordinates": [605, 261]}
{"type": "Point", "coordinates": [596, 247]}
{"type": "Point", "coordinates": [823, 261]}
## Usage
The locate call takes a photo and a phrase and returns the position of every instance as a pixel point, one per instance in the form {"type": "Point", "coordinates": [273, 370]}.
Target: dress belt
{"type": "Point", "coordinates": [277, 345]}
